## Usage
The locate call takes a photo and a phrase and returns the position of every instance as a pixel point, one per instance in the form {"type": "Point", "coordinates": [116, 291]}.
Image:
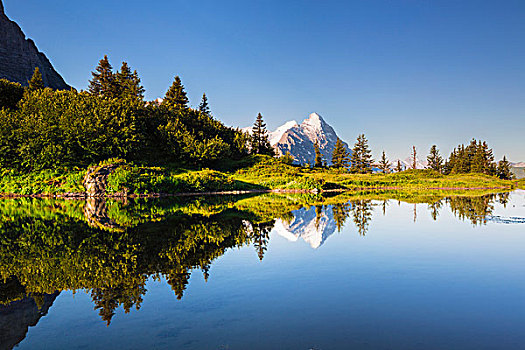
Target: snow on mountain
{"type": "Point", "coordinates": [518, 165]}
{"type": "Point", "coordinates": [276, 135]}
{"type": "Point", "coordinates": [299, 140]}
{"type": "Point", "coordinates": [311, 226]}
{"type": "Point", "coordinates": [407, 163]}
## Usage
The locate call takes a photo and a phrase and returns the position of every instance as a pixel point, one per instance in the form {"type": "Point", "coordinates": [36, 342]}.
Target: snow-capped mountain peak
{"type": "Point", "coordinates": [276, 135]}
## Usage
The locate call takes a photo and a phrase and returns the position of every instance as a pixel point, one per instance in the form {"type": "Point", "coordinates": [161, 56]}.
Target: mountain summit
{"type": "Point", "coordinates": [19, 56]}
{"type": "Point", "coordinates": [299, 140]}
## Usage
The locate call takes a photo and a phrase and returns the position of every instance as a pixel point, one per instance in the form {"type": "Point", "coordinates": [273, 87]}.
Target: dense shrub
{"type": "Point", "coordinates": [10, 94]}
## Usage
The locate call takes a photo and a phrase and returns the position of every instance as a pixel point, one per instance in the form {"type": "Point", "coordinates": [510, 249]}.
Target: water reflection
{"type": "Point", "coordinates": [110, 249]}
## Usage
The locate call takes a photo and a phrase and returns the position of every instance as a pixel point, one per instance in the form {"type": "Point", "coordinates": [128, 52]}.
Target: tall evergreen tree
{"type": "Point", "coordinates": [503, 169]}
{"type": "Point", "coordinates": [36, 82]}
{"type": "Point", "coordinates": [259, 142]}
{"type": "Point", "coordinates": [339, 155]}
{"type": "Point", "coordinates": [384, 164]}
{"type": "Point", "coordinates": [104, 81]}
{"type": "Point", "coordinates": [434, 159]}
{"type": "Point", "coordinates": [128, 83]}
{"type": "Point", "coordinates": [414, 157]}
{"type": "Point", "coordinates": [176, 95]}
{"type": "Point", "coordinates": [399, 167]}
{"type": "Point", "coordinates": [204, 107]}
{"type": "Point", "coordinates": [318, 156]}
{"type": "Point", "coordinates": [361, 162]}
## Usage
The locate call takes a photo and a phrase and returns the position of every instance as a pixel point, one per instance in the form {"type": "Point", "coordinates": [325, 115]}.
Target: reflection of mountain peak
{"type": "Point", "coordinates": [313, 227]}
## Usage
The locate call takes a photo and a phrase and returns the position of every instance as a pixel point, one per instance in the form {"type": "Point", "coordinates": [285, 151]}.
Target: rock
{"type": "Point", "coordinates": [96, 179]}
{"type": "Point", "coordinates": [19, 57]}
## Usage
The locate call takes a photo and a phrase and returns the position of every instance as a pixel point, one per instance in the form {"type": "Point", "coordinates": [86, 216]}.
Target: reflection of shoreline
{"type": "Point", "coordinates": [18, 316]}
{"type": "Point", "coordinates": [505, 220]}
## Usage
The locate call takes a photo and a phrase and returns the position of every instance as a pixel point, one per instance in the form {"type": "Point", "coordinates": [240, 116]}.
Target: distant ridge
{"type": "Point", "coordinates": [19, 56]}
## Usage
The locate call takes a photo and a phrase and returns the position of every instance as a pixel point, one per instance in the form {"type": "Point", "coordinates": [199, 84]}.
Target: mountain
{"type": "Point", "coordinates": [299, 139]}
{"type": "Point", "coordinates": [19, 56]}
{"type": "Point", "coordinates": [313, 225]}
{"type": "Point", "coordinates": [407, 163]}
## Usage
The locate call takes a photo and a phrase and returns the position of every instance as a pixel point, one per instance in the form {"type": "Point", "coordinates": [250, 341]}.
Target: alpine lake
{"type": "Point", "coordinates": [356, 270]}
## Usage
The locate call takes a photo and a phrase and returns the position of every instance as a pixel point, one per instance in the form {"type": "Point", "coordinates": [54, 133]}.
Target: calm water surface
{"type": "Point", "coordinates": [265, 272]}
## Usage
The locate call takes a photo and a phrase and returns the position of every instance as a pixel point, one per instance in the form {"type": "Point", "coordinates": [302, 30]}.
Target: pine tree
{"type": "Point", "coordinates": [399, 167]}
{"type": "Point", "coordinates": [176, 96]}
{"type": "Point", "coordinates": [435, 161]}
{"type": "Point", "coordinates": [339, 155]}
{"type": "Point", "coordinates": [103, 82]}
{"type": "Point", "coordinates": [259, 141]}
{"type": "Point", "coordinates": [384, 164]}
{"type": "Point", "coordinates": [287, 158]}
{"type": "Point", "coordinates": [414, 157]}
{"type": "Point", "coordinates": [361, 162]}
{"type": "Point", "coordinates": [36, 82]}
{"type": "Point", "coordinates": [318, 156]}
{"type": "Point", "coordinates": [204, 107]}
{"type": "Point", "coordinates": [503, 169]}
{"type": "Point", "coordinates": [128, 83]}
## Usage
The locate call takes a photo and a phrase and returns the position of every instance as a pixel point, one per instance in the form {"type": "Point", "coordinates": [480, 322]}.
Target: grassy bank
{"type": "Point", "coordinates": [257, 173]}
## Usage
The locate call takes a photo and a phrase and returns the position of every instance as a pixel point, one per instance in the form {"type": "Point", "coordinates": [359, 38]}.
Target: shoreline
{"type": "Point", "coordinates": [85, 196]}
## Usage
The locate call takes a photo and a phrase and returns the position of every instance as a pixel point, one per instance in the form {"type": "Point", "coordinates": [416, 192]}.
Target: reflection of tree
{"type": "Point", "coordinates": [474, 209]}
{"type": "Point", "coordinates": [318, 215]}
{"type": "Point", "coordinates": [362, 212]}
{"type": "Point", "coordinates": [341, 212]}
{"type": "Point", "coordinates": [384, 205]}
{"type": "Point", "coordinates": [260, 237]}
{"type": "Point", "coordinates": [434, 209]}
{"type": "Point", "coordinates": [503, 199]}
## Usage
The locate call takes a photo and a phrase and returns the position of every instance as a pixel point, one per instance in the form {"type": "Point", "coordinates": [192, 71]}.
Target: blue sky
{"type": "Point", "coordinates": [406, 72]}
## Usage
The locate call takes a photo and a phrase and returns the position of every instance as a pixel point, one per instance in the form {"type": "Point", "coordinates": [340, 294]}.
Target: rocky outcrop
{"type": "Point", "coordinates": [96, 180]}
{"type": "Point", "coordinates": [19, 57]}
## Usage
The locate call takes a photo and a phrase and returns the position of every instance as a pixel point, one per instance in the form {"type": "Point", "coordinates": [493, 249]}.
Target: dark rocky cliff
{"type": "Point", "coordinates": [19, 56]}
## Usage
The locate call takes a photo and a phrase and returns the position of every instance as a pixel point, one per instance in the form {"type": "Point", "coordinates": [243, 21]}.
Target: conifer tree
{"type": "Point", "coordinates": [318, 156]}
{"type": "Point", "coordinates": [259, 141]}
{"type": "Point", "coordinates": [36, 82]}
{"type": "Point", "coordinates": [176, 96]}
{"type": "Point", "coordinates": [503, 169]}
{"type": "Point", "coordinates": [287, 158]}
{"type": "Point", "coordinates": [204, 107]}
{"type": "Point", "coordinates": [384, 164]}
{"type": "Point", "coordinates": [399, 167]}
{"type": "Point", "coordinates": [128, 83]}
{"type": "Point", "coordinates": [103, 82]}
{"type": "Point", "coordinates": [361, 162]}
{"type": "Point", "coordinates": [339, 155]}
{"type": "Point", "coordinates": [434, 159]}
{"type": "Point", "coordinates": [414, 157]}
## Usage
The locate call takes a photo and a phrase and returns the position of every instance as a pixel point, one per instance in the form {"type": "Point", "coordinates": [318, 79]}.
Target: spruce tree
{"type": "Point", "coordinates": [259, 141]}
{"type": "Point", "coordinates": [204, 107]}
{"type": "Point", "coordinates": [176, 96]}
{"type": "Point", "coordinates": [318, 156]}
{"type": "Point", "coordinates": [128, 83]}
{"type": "Point", "coordinates": [384, 164]}
{"type": "Point", "coordinates": [434, 159]}
{"type": "Point", "coordinates": [287, 158]}
{"type": "Point", "coordinates": [503, 169]}
{"type": "Point", "coordinates": [103, 82]}
{"type": "Point", "coordinates": [361, 162]}
{"type": "Point", "coordinates": [36, 82]}
{"type": "Point", "coordinates": [339, 155]}
{"type": "Point", "coordinates": [399, 167]}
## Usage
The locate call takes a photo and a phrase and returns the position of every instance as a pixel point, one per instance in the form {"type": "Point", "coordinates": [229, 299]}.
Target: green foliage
{"type": "Point", "coordinates": [318, 162]}
{"type": "Point", "coordinates": [361, 161]}
{"type": "Point", "coordinates": [434, 159]}
{"type": "Point", "coordinates": [36, 82]}
{"type": "Point", "coordinates": [259, 141]}
{"type": "Point", "coordinates": [503, 169]}
{"type": "Point", "coordinates": [384, 164]}
{"type": "Point", "coordinates": [340, 155]}
{"type": "Point", "coordinates": [128, 83]}
{"type": "Point", "coordinates": [104, 82]}
{"type": "Point", "coordinates": [477, 157]}
{"type": "Point", "coordinates": [176, 95]}
{"type": "Point", "coordinates": [287, 158]}
{"type": "Point", "coordinates": [10, 94]}
{"type": "Point", "coordinates": [204, 107]}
